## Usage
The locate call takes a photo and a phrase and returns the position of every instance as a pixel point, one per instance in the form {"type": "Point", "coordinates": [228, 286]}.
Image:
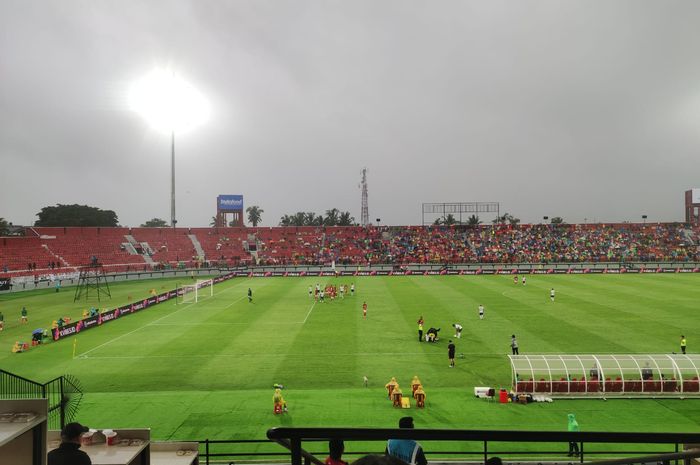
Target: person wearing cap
{"type": "Point", "coordinates": [407, 450]}
{"type": "Point", "coordinates": [69, 453]}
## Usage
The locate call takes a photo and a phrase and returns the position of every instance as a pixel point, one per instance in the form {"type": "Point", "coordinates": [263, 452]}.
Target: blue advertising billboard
{"type": "Point", "coordinates": [230, 202]}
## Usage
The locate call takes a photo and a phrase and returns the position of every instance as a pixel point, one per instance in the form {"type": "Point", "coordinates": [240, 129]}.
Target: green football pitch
{"type": "Point", "coordinates": [206, 369]}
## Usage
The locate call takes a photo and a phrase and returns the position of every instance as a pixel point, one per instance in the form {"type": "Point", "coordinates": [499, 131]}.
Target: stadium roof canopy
{"type": "Point", "coordinates": [607, 375]}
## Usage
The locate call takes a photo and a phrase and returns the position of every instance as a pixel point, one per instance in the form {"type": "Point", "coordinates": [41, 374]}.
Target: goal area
{"type": "Point", "coordinates": [193, 293]}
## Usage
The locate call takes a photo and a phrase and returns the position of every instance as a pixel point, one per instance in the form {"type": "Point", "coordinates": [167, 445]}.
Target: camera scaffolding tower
{"type": "Point", "coordinates": [92, 278]}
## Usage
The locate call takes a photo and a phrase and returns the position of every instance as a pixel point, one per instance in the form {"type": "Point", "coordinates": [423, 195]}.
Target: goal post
{"type": "Point", "coordinates": [193, 293]}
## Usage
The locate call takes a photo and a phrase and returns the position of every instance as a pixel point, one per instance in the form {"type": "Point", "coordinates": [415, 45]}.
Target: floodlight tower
{"type": "Point", "coordinates": [170, 105]}
{"type": "Point", "coordinates": [364, 215]}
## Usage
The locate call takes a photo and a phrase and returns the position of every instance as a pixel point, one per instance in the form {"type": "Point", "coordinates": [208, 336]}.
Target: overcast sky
{"type": "Point", "coordinates": [580, 109]}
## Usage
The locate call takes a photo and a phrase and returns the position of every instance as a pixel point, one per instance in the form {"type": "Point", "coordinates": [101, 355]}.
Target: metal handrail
{"type": "Point", "coordinates": [659, 458]}
{"type": "Point", "coordinates": [291, 438]}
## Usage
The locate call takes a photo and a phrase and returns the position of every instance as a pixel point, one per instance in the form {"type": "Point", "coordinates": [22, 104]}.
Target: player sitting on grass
{"type": "Point", "coordinates": [432, 335]}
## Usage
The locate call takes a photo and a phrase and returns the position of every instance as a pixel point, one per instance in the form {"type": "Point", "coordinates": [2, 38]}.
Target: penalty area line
{"type": "Point", "coordinates": [309, 312]}
{"type": "Point", "coordinates": [84, 354]}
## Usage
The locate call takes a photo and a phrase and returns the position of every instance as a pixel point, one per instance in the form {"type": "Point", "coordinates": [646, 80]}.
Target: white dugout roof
{"type": "Point", "coordinates": [590, 368]}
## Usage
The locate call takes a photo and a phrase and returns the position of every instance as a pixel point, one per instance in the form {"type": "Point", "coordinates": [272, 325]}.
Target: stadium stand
{"type": "Point", "coordinates": [353, 245]}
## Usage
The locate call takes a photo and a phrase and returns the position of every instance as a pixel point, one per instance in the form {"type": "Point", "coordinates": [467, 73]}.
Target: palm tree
{"type": "Point", "coordinates": [213, 221]}
{"type": "Point", "coordinates": [310, 219]}
{"type": "Point", "coordinates": [298, 219]}
{"type": "Point", "coordinates": [286, 220]}
{"type": "Point", "coordinates": [254, 215]}
{"type": "Point", "coordinates": [506, 218]}
{"type": "Point", "coordinates": [345, 219]}
{"type": "Point", "coordinates": [473, 221]}
{"type": "Point", "coordinates": [557, 220]}
{"type": "Point", "coordinates": [449, 220]}
{"type": "Point", "coordinates": [331, 217]}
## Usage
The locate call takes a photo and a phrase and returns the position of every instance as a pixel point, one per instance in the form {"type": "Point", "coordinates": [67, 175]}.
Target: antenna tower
{"type": "Point", "coordinates": [364, 216]}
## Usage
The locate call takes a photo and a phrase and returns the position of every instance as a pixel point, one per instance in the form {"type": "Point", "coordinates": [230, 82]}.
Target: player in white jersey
{"type": "Point", "coordinates": [311, 292]}
{"type": "Point", "coordinates": [341, 289]}
{"type": "Point", "coordinates": [352, 289]}
{"type": "Point", "coordinates": [458, 330]}
{"type": "Point", "coordinates": [321, 295]}
{"type": "Point", "coordinates": [481, 312]}
{"type": "Point", "coordinates": [551, 295]}
{"type": "Point", "coordinates": [523, 280]}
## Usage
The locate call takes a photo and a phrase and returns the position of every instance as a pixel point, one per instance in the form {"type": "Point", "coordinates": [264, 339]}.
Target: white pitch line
{"type": "Point", "coordinates": [309, 312]}
{"type": "Point", "coordinates": [155, 323]}
{"type": "Point", "coordinates": [190, 325]}
{"type": "Point", "coordinates": [128, 357]}
{"type": "Point", "coordinates": [132, 332]}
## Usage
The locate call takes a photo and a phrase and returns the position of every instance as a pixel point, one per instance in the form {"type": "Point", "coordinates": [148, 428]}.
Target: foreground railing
{"type": "Point", "coordinates": [493, 443]}
{"type": "Point", "coordinates": [63, 393]}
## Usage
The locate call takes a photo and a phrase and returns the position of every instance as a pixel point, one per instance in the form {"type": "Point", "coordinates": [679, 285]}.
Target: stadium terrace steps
{"type": "Point", "coordinates": [197, 246]}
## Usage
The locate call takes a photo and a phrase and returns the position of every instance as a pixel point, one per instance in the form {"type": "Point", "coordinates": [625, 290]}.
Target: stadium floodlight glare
{"type": "Point", "coordinates": [172, 106]}
{"type": "Point", "coordinates": [168, 103]}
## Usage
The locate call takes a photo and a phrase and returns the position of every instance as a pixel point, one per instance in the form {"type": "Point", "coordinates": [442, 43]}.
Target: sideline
{"type": "Point", "coordinates": [154, 323]}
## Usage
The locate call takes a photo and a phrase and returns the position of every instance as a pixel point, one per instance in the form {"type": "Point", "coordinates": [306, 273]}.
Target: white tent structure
{"type": "Point", "coordinates": [631, 375]}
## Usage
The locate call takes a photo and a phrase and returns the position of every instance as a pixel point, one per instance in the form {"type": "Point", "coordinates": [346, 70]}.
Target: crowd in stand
{"type": "Point", "coordinates": [497, 244]}
{"type": "Point", "coordinates": [398, 245]}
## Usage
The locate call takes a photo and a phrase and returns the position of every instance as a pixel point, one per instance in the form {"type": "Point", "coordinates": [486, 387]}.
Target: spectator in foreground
{"type": "Point", "coordinates": [336, 447]}
{"type": "Point", "coordinates": [406, 450]}
{"type": "Point", "coordinates": [69, 453]}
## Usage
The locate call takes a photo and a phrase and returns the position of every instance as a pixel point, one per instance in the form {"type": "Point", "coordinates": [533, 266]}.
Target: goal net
{"type": "Point", "coordinates": [193, 293]}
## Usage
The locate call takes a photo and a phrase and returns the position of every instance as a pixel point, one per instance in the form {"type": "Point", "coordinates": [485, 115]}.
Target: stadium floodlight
{"type": "Point", "coordinates": [172, 106]}
{"type": "Point", "coordinates": [168, 103]}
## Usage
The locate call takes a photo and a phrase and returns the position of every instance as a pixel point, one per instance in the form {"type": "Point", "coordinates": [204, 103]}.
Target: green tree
{"type": "Point", "coordinates": [506, 218]}
{"type": "Point", "coordinates": [155, 223]}
{"type": "Point", "coordinates": [299, 219]}
{"type": "Point", "coordinates": [557, 220]}
{"type": "Point", "coordinates": [310, 219]}
{"type": "Point", "coordinates": [473, 221]}
{"type": "Point", "coordinates": [213, 221]}
{"type": "Point", "coordinates": [4, 227]}
{"type": "Point", "coordinates": [254, 215]}
{"type": "Point", "coordinates": [449, 220]}
{"type": "Point", "coordinates": [345, 219]}
{"type": "Point", "coordinates": [286, 220]}
{"type": "Point", "coordinates": [76, 215]}
{"type": "Point", "coordinates": [331, 218]}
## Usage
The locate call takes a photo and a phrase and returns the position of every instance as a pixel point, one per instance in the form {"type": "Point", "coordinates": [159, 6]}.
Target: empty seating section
{"type": "Point", "coordinates": [169, 245]}
{"type": "Point", "coordinates": [354, 245]}
{"type": "Point", "coordinates": [224, 244]}
{"type": "Point", "coordinates": [76, 246]}
{"type": "Point", "coordinates": [17, 253]}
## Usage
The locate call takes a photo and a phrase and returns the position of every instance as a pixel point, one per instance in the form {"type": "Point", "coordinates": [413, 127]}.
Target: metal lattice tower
{"type": "Point", "coordinates": [364, 216]}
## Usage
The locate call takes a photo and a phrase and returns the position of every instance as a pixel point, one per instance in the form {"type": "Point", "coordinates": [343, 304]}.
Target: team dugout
{"type": "Point", "coordinates": [638, 375]}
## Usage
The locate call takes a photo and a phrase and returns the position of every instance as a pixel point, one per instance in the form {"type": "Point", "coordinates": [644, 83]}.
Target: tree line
{"type": "Point", "coordinates": [473, 220]}
{"type": "Point", "coordinates": [332, 217]}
